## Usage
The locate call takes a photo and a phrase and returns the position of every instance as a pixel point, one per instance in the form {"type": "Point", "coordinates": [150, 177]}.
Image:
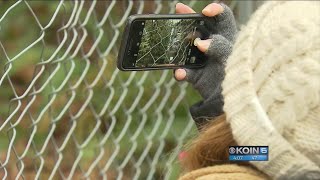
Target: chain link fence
{"type": "Point", "coordinates": [67, 112]}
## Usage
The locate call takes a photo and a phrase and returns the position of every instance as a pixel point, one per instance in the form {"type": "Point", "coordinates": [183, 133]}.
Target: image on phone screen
{"type": "Point", "coordinates": [167, 42]}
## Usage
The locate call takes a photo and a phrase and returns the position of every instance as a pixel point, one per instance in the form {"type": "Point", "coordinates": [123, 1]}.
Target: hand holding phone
{"type": "Point", "coordinates": [163, 41]}
{"type": "Point", "coordinates": [218, 47]}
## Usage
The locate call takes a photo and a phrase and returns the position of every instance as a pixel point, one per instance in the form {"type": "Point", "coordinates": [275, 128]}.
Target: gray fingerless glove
{"type": "Point", "coordinates": [207, 80]}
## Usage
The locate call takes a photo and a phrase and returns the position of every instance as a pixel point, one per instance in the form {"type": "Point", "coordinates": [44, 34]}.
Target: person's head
{"type": "Point", "coordinates": [271, 93]}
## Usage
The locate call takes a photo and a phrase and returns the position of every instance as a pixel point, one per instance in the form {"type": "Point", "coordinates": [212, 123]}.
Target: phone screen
{"type": "Point", "coordinates": [166, 42]}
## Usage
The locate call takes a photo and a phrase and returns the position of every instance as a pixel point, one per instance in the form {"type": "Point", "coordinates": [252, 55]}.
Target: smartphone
{"type": "Point", "coordinates": [155, 41]}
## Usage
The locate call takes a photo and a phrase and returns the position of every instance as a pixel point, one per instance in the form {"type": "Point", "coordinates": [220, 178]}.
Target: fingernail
{"type": "Point", "coordinates": [195, 42]}
{"type": "Point", "coordinates": [206, 9]}
{"type": "Point", "coordinates": [180, 74]}
{"type": "Point", "coordinates": [203, 45]}
{"type": "Point", "coordinates": [180, 4]}
{"type": "Point", "coordinates": [212, 9]}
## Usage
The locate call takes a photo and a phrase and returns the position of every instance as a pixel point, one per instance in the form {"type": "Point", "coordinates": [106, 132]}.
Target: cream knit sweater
{"type": "Point", "coordinates": [272, 88]}
{"type": "Point", "coordinates": [272, 93]}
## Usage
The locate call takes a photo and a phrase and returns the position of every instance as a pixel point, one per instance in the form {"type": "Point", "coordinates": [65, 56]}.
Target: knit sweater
{"type": "Point", "coordinates": [272, 88]}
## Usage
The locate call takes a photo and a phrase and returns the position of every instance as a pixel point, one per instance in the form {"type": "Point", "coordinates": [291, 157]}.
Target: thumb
{"type": "Point", "coordinates": [220, 47]}
{"type": "Point", "coordinates": [202, 45]}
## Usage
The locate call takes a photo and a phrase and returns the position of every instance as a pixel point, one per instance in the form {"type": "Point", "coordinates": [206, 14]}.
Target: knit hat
{"type": "Point", "coordinates": [272, 88]}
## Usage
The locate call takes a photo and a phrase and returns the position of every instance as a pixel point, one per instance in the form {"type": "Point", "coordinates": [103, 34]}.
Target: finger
{"type": "Point", "coordinates": [224, 21]}
{"type": "Point", "coordinates": [192, 76]}
{"type": "Point", "coordinates": [180, 74]}
{"type": "Point", "coordinates": [188, 75]}
{"type": "Point", "coordinates": [183, 9]}
{"type": "Point", "coordinates": [202, 45]}
{"type": "Point", "coordinates": [219, 47]}
{"type": "Point", "coordinates": [212, 9]}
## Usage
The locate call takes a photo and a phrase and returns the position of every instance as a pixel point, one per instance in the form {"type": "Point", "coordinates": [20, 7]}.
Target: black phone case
{"type": "Point", "coordinates": [126, 36]}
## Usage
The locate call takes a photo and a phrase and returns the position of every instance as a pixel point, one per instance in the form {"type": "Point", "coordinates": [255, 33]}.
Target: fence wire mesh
{"type": "Point", "coordinates": [66, 110]}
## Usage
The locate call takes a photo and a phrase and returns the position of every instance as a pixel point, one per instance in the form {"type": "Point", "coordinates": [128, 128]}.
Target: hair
{"type": "Point", "coordinates": [211, 147]}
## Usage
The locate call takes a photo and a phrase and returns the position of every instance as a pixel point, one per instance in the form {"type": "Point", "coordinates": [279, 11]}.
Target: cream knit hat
{"type": "Point", "coordinates": [272, 88]}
